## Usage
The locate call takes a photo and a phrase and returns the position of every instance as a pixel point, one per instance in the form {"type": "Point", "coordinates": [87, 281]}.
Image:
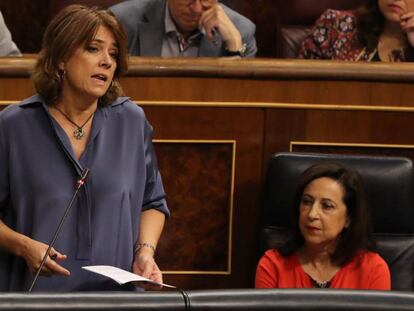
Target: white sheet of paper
{"type": "Point", "coordinates": [120, 276]}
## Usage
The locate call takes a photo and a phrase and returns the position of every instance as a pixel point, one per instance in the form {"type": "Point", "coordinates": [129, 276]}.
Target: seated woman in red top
{"type": "Point", "coordinates": [379, 30]}
{"type": "Point", "coordinates": [332, 243]}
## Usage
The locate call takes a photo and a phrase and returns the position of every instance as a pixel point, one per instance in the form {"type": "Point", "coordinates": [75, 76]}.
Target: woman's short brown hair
{"type": "Point", "coordinates": [370, 24]}
{"type": "Point", "coordinates": [75, 26]}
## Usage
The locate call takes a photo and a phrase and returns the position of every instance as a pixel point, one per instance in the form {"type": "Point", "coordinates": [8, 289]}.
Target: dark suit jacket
{"type": "Point", "coordinates": [144, 24]}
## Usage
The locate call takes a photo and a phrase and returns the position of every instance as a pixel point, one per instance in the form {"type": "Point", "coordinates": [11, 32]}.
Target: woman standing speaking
{"type": "Point", "coordinates": [78, 120]}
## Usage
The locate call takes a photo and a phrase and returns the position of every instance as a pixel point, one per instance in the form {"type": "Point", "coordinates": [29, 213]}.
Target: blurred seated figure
{"type": "Point", "coordinates": [185, 28]}
{"type": "Point", "coordinates": [379, 30]}
{"type": "Point", "coordinates": [7, 46]}
{"type": "Point", "coordinates": [331, 244]}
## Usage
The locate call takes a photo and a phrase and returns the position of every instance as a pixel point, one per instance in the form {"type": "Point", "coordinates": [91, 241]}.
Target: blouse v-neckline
{"type": "Point", "coordinates": [311, 280]}
{"type": "Point", "coordinates": [64, 140]}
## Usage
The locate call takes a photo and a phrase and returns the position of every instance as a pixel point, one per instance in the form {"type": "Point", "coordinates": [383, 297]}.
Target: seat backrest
{"type": "Point", "coordinates": [297, 17]}
{"type": "Point", "coordinates": [389, 184]}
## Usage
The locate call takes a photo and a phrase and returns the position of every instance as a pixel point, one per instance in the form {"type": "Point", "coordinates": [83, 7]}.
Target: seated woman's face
{"type": "Point", "coordinates": [393, 9]}
{"type": "Point", "coordinates": [322, 212]}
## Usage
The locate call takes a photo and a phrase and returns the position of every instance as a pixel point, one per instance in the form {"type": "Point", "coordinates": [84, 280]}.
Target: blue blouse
{"type": "Point", "coordinates": [39, 171]}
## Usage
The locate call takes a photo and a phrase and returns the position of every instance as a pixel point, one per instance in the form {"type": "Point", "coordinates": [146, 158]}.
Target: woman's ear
{"type": "Point", "coordinates": [348, 222]}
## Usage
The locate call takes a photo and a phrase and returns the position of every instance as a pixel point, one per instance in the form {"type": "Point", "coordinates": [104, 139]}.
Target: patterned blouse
{"type": "Point", "coordinates": [334, 36]}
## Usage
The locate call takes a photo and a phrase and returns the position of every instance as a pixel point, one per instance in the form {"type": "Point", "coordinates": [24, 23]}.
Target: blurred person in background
{"type": "Point", "coordinates": [191, 28]}
{"type": "Point", "coordinates": [379, 30]}
{"type": "Point", "coordinates": [7, 46]}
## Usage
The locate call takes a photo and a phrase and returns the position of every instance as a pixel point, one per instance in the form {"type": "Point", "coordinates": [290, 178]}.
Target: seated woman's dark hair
{"type": "Point", "coordinates": [370, 24]}
{"type": "Point", "coordinates": [358, 235]}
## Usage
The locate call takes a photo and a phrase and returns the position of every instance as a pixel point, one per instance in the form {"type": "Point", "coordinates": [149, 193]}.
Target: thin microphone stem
{"type": "Point", "coordinates": [187, 301]}
{"type": "Point", "coordinates": [81, 181]}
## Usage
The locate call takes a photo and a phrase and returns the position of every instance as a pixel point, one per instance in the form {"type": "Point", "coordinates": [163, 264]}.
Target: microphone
{"type": "Point", "coordinates": [79, 183]}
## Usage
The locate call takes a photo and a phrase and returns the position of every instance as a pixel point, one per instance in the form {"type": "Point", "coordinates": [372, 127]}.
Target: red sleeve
{"type": "Point", "coordinates": [266, 273]}
{"type": "Point", "coordinates": [316, 44]}
{"type": "Point", "coordinates": [329, 36]}
{"type": "Point", "coordinates": [380, 274]}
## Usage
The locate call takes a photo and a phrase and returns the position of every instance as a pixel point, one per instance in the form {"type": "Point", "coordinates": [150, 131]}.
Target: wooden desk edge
{"type": "Point", "coordinates": [253, 69]}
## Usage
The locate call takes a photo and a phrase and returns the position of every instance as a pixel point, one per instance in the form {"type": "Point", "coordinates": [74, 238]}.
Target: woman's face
{"type": "Point", "coordinates": [393, 9]}
{"type": "Point", "coordinates": [322, 212]}
{"type": "Point", "coordinates": [90, 70]}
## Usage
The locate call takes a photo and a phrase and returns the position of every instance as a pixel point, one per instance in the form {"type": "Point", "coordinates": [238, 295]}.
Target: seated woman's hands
{"type": "Point", "coordinates": [407, 24]}
{"type": "Point", "coordinates": [33, 253]}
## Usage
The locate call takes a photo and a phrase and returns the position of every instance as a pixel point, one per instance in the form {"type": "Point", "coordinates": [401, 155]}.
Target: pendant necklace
{"type": "Point", "coordinates": [79, 132]}
{"type": "Point", "coordinates": [321, 284]}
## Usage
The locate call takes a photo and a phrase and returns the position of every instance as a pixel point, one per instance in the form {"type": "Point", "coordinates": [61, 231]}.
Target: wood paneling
{"type": "Point", "coordinates": [197, 90]}
{"type": "Point", "coordinates": [198, 180]}
{"type": "Point", "coordinates": [236, 124]}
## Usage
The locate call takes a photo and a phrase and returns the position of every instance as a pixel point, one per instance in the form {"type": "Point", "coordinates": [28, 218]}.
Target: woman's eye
{"type": "Point", "coordinates": [92, 49]}
{"type": "Point", "coordinates": [114, 55]}
{"type": "Point", "coordinates": [328, 206]}
{"type": "Point", "coordinates": [306, 201]}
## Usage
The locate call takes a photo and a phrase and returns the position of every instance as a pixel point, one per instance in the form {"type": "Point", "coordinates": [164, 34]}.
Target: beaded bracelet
{"type": "Point", "coordinates": [141, 245]}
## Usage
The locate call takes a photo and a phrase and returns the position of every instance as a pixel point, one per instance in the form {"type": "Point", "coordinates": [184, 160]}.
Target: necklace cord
{"type": "Point", "coordinates": [79, 132]}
